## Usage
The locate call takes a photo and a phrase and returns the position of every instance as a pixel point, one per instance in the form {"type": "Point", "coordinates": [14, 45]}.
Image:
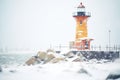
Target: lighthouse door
{"type": "Point", "coordinates": [86, 44]}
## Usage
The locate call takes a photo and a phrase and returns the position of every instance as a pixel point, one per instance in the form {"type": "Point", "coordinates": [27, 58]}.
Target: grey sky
{"type": "Point", "coordinates": [39, 23]}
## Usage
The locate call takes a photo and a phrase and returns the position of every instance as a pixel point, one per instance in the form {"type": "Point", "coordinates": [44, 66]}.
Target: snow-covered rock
{"type": "Point", "coordinates": [115, 75]}
{"type": "Point", "coordinates": [49, 57]}
{"type": "Point", "coordinates": [56, 60]}
{"type": "Point", "coordinates": [31, 61]}
{"type": "Point", "coordinates": [77, 60]}
{"type": "Point", "coordinates": [84, 71]}
{"type": "Point", "coordinates": [42, 55]}
{"type": "Point", "coordinates": [70, 55]}
{"type": "Point", "coordinates": [50, 50]}
{"type": "Point", "coordinates": [0, 69]}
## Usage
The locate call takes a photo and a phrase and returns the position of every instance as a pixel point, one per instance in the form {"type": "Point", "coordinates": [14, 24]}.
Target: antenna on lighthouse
{"type": "Point", "coordinates": [81, 5]}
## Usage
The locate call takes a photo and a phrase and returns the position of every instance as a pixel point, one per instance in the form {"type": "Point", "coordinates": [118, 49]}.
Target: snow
{"type": "Point", "coordinates": [60, 71]}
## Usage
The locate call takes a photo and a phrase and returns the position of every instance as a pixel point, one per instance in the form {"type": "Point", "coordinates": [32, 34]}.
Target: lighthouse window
{"type": "Point", "coordinates": [81, 9]}
{"type": "Point", "coordinates": [80, 22]}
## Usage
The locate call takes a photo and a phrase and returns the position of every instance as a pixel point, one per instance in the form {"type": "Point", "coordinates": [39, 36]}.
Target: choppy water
{"type": "Point", "coordinates": [14, 59]}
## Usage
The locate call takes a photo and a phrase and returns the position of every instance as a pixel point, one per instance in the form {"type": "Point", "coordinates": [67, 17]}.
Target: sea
{"type": "Point", "coordinates": [10, 59]}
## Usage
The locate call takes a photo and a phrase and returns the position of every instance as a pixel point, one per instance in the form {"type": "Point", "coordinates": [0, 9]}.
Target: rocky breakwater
{"type": "Point", "coordinates": [44, 57]}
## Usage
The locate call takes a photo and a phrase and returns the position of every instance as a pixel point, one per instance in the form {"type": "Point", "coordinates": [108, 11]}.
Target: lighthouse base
{"type": "Point", "coordinates": [82, 44]}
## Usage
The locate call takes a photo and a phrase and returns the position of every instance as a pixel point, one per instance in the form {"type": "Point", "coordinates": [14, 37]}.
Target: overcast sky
{"type": "Point", "coordinates": [39, 23]}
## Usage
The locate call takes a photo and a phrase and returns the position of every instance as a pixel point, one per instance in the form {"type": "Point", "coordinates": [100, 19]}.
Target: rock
{"type": "Point", "coordinates": [115, 75]}
{"type": "Point", "coordinates": [84, 71]}
{"type": "Point", "coordinates": [42, 55]}
{"type": "Point", "coordinates": [13, 71]}
{"type": "Point", "coordinates": [76, 60]}
{"type": "Point", "coordinates": [70, 55]}
{"type": "Point", "coordinates": [31, 61]}
{"type": "Point", "coordinates": [50, 50]}
{"type": "Point", "coordinates": [56, 60]}
{"type": "Point", "coordinates": [0, 69]}
{"type": "Point", "coordinates": [49, 57]}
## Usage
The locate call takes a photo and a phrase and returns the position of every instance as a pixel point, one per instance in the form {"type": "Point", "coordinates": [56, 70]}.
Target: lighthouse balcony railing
{"type": "Point", "coordinates": [88, 14]}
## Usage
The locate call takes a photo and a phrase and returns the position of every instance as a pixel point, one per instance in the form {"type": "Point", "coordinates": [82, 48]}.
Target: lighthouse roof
{"type": "Point", "coordinates": [81, 5]}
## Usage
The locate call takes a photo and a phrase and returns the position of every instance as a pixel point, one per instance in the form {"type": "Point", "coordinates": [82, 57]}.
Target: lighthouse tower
{"type": "Point", "coordinates": [82, 42]}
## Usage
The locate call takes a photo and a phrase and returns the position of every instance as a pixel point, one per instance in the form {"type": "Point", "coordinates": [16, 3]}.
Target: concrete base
{"type": "Point", "coordinates": [109, 55]}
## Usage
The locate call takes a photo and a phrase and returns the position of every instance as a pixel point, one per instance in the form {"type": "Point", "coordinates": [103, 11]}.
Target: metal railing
{"type": "Point", "coordinates": [85, 14]}
{"type": "Point", "coordinates": [92, 47]}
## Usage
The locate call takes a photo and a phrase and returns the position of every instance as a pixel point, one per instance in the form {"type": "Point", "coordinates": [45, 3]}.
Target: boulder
{"type": "Point", "coordinates": [31, 61]}
{"type": "Point", "coordinates": [115, 75]}
{"type": "Point", "coordinates": [42, 55]}
{"type": "Point", "coordinates": [13, 71]}
{"type": "Point", "coordinates": [70, 55]}
{"type": "Point", "coordinates": [49, 57]}
{"type": "Point", "coordinates": [56, 60]}
{"type": "Point", "coordinates": [76, 60]}
{"type": "Point", "coordinates": [0, 69]}
{"type": "Point", "coordinates": [84, 71]}
{"type": "Point", "coordinates": [50, 50]}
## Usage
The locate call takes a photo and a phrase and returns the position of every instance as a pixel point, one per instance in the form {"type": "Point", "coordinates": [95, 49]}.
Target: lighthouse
{"type": "Point", "coordinates": [82, 42]}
